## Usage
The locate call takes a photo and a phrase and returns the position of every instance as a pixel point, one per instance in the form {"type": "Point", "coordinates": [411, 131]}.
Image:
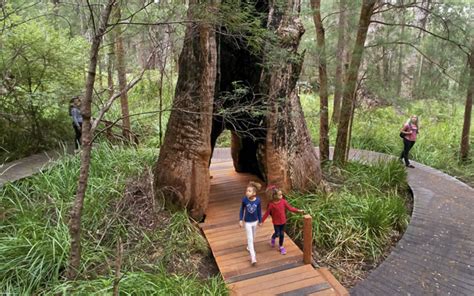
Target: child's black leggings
{"type": "Point", "coordinates": [280, 232]}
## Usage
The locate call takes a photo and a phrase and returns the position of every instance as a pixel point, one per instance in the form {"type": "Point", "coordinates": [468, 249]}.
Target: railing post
{"type": "Point", "coordinates": [307, 239]}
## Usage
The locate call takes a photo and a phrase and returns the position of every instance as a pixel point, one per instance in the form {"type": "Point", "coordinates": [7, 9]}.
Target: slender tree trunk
{"type": "Point", "coordinates": [386, 62]}
{"type": "Point", "coordinates": [464, 153]}
{"type": "Point", "coordinates": [110, 67]}
{"type": "Point", "coordinates": [99, 65]}
{"type": "Point", "coordinates": [339, 83]}
{"type": "Point", "coordinates": [160, 97]}
{"type": "Point", "coordinates": [122, 77]}
{"type": "Point", "coordinates": [323, 82]}
{"type": "Point", "coordinates": [182, 172]}
{"type": "Point", "coordinates": [400, 51]}
{"type": "Point", "coordinates": [351, 81]}
{"type": "Point", "coordinates": [76, 210]}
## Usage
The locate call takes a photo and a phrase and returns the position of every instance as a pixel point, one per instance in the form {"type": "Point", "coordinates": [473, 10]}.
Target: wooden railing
{"type": "Point", "coordinates": [307, 239]}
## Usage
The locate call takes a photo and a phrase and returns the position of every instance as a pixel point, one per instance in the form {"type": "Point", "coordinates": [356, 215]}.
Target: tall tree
{"type": "Point", "coordinates": [291, 161]}
{"type": "Point", "coordinates": [182, 172]}
{"type": "Point", "coordinates": [76, 210]}
{"type": "Point", "coordinates": [351, 81]}
{"type": "Point", "coordinates": [340, 58]}
{"type": "Point", "coordinates": [464, 153]}
{"type": "Point", "coordinates": [122, 75]}
{"type": "Point", "coordinates": [323, 82]}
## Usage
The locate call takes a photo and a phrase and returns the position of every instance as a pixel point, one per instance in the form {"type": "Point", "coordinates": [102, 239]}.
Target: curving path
{"type": "Point", "coordinates": [28, 166]}
{"type": "Point", "coordinates": [435, 256]}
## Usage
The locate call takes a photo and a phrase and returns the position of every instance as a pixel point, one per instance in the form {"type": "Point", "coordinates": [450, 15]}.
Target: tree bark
{"type": "Point", "coordinates": [351, 81]}
{"type": "Point", "coordinates": [76, 210]}
{"type": "Point", "coordinates": [464, 152]}
{"type": "Point", "coordinates": [182, 172]}
{"type": "Point", "coordinates": [122, 77]}
{"type": "Point", "coordinates": [399, 80]}
{"type": "Point", "coordinates": [339, 83]}
{"type": "Point", "coordinates": [110, 67]}
{"type": "Point", "coordinates": [323, 83]}
{"type": "Point", "coordinates": [290, 159]}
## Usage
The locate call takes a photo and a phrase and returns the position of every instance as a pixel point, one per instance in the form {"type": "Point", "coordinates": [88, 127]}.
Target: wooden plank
{"type": "Point", "coordinates": [290, 286]}
{"type": "Point", "coordinates": [271, 275]}
{"type": "Point", "coordinates": [223, 259]}
{"type": "Point", "coordinates": [307, 290]}
{"type": "Point", "coordinates": [244, 269]}
{"type": "Point", "coordinates": [340, 290]}
{"type": "Point", "coordinates": [261, 256]}
{"type": "Point", "coordinates": [217, 225]}
{"type": "Point", "coordinates": [290, 278]}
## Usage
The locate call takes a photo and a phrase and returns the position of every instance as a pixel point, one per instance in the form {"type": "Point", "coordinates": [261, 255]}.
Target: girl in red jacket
{"type": "Point", "coordinates": [277, 209]}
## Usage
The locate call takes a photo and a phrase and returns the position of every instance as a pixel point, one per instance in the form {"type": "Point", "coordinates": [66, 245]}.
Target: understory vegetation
{"type": "Point", "coordinates": [377, 128]}
{"type": "Point", "coordinates": [356, 222]}
{"type": "Point", "coordinates": [163, 253]}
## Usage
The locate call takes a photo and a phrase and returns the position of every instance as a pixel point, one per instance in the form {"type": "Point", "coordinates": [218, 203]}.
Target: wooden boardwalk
{"type": "Point", "coordinates": [274, 274]}
{"type": "Point", "coordinates": [28, 166]}
{"type": "Point", "coordinates": [435, 256]}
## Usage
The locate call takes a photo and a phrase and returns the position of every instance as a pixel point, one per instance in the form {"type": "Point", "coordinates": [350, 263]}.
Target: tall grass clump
{"type": "Point", "coordinates": [34, 237]}
{"type": "Point", "coordinates": [142, 283]}
{"type": "Point", "coordinates": [158, 245]}
{"type": "Point", "coordinates": [357, 220]}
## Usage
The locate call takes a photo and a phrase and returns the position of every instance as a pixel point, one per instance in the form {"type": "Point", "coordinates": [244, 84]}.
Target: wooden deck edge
{"type": "Point", "coordinates": [243, 277]}
{"type": "Point", "coordinates": [340, 290]}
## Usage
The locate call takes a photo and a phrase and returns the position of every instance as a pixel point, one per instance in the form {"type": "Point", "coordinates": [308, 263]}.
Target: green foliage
{"type": "Point", "coordinates": [377, 130]}
{"type": "Point", "coordinates": [224, 139]}
{"type": "Point", "coordinates": [144, 108]}
{"type": "Point", "coordinates": [357, 220]}
{"type": "Point", "coordinates": [182, 238]}
{"type": "Point", "coordinates": [141, 283]}
{"type": "Point", "coordinates": [437, 143]}
{"type": "Point", "coordinates": [40, 75]}
{"type": "Point", "coordinates": [34, 237]}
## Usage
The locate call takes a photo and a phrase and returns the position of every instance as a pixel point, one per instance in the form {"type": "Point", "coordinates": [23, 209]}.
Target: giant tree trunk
{"type": "Point", "coordinates": [351, 81]}
{"type": "Point", "coordinates": [323, 83]}
{"type": "Point", "coordinates": [76, 210]}
{"type": "Point", "coordinates": [290, 159]}
{"type": "Point", "coordinates": [274, 144]}
{"type": "Point", "coordinates": [339, 83]}
{"type": "Point", "coordinates": [122, 77]}
{"type": "Point", "coordinates": [182, 173]}
{"type": "Point", "coordinates": [464, 153]}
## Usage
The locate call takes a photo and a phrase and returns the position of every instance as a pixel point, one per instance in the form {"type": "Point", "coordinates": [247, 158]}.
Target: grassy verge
{"type": "Point", "coordinates": [163, 251]}
{"type": "Point", "coordinates": [355, 225]}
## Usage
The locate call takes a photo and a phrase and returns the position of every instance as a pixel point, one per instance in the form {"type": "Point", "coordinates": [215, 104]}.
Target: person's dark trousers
{"type": "Point", "coordinates": [78, 132]}
{"type": "Point", "coordinates": [407, 145]}
{"type": "Point", "coordinates": [280, 232]}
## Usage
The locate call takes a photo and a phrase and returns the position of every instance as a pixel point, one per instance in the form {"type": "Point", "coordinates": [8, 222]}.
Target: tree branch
{"type": "Point", "coordinates": [462, 47]}
{"type": "Point", "coordinates": [443, 70]}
